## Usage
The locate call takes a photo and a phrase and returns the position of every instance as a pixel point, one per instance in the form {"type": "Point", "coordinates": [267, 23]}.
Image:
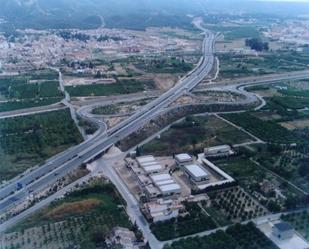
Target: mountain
{"type": "Point", "coordinates": [87, 13]}
{"type": "Point", "coordinates": [136, 14]}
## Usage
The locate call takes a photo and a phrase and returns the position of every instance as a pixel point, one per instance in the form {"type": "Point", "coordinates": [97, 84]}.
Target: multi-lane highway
{"type": "Point", "coordinates": [59, 165]}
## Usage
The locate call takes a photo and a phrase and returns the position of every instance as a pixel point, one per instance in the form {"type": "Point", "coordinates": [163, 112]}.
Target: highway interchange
{"type": "Point", "coordinates": [58, 166]}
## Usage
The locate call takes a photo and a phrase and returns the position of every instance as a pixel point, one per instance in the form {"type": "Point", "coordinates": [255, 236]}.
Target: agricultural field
{"type": "Point", "coordinates": [277, 195]}
{"type": "Point", "coordinates": [284, 103]}
{"type": "Point", "coordinates": [20, 104]}
{"type": "Point", "coordinates": [300, 221]}
{"type": "Point", "coordinates": [237, 236]}
{"type": "Point", "coordinates": [164, 65]}
{"type": "Point", "coordinates": [291, 163]}
{"type": "Point", "coordinates": [120, 87]}
{"type": "Point", "coordinates": [292, 102]}
{"type": "Point", "coordinates": [29, 140]}
{"type": "Point", "coordinates": [196, 220]}
{"type": "Point", "coordinates": [236, 205]}
{"type": "Point", "coordinates": [83, 218]}
{"type": "Point", "coordinates": [284, 117]}
{"type": "Point", "coordinates": [239, 65]}
{"type": "Point", "coordinates": [268, 131]}
{"type": "Point", "coordinates": [193, 134]}
{"type": "Point", "coordinates": [34, 88]}
{"type": "Point", "coordinates": [234, 32]}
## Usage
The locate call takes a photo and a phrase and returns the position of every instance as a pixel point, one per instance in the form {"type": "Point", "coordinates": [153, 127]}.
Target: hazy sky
{"type": "Point", "coordinates": [304, 1]}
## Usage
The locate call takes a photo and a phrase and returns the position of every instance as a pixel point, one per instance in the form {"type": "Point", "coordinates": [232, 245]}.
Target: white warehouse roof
{"type": "Point", "coordinates": [169, 188]}
{"type": "Point", "coordinates": [160, 177]}
{"type": "Point", "coordinates": [196, 170]}
{"type": "Point", "coordinates": [144, 159]}
{"type": "Point", "coordinates": [148, 164]}
{"type": "Point", "coordinates": [184, 157]}
{"type": "Point", "coordinates": [219, 148]}
{"type": "Point", "coordinates": [152, 168]}
{"type": "Point", "coordinates": [165, 182]}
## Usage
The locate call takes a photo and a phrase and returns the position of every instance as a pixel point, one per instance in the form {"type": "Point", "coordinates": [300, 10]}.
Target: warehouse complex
{"type": "Point", "coordinates": [201, 173]}
{"type": "Point", "coordinates": [152, 177]}
{"type": "Point", "coordinates": [162, 186]}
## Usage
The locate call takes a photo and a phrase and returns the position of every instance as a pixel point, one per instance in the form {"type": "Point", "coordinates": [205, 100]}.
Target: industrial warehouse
{"type": "Point", "coordinates": [162, 184]}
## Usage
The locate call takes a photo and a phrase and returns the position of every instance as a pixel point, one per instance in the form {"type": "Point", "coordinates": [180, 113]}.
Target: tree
{"type": "Point", "coordinates": [138, 152]}
{"type": "Point", "coordinates": [257, 44]}
{"type": "Point", "coordinates": [273, 206]}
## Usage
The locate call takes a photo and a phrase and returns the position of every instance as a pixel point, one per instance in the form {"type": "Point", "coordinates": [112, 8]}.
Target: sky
{"type": "Point", "coordinates": [295, 1]}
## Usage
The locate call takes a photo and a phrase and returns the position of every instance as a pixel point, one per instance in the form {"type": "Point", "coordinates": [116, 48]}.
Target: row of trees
{"type": "Point", "coordinates": [257, 44]}
{"type": "Point", "coordinates": [237, 236]}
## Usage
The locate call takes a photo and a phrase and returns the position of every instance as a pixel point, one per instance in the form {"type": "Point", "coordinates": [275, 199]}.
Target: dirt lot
{"type": "Point", "coordinates": [296, 124]}
{"type": "Point", "coordinates": [119, 69]}
{"type": "Point", "coordinates": [268, 93]}
{"type": "Point", "coordinates": [111, 122]}
{"type": "Point", "coordinates": [267, 116]}
{"type": "Point", "coordinates": [165, 81]}
{"type": "Point", "coordinates": [72, 208]}
{"type": "Point", "coordinates": [74, 81]}
{"type": "Point", "coordinates": [231, 45]}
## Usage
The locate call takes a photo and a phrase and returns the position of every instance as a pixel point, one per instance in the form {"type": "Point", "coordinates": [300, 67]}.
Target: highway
{"type": "Point", "coordinates": [58, 166]}
{"type": "Point", "coordinates": [61, 164]}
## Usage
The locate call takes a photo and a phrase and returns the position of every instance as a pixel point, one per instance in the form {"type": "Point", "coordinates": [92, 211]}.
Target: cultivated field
{"type": "Point", "coordinates": [29, 140]}
{"type": "Point", "coordinates": [195, 133]}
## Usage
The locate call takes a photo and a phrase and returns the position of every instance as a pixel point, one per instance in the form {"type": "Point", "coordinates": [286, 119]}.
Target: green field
{"type": "Point", "coordinates": [268, 131]}
{"type": "Point", "coordinates": [238, 65]}
{"type": "Point", "coordinates": [106, 110]}
{"type": "Point", "coordinates": [235, 237]}
{"type": "Point", "coordinates": [121, 87]}
{"type": "Point", "coordinates": [285, 103]}
{"type": "Point", "coordinates": [33, 84]}
{"type": "Point", "coordinates": [164, 65]}
{"type": "Point", "coordinates": [249, 176]}
{"type": "Point", "coordinates": [193, 134]}
{"type": "Point", "coordinates": [287, 156]}
{"type": "Point", "coordinates": [236, 32]}
{"type": "Point", "coordinates": [16, 105]}
{"type": "Point", "coordinates": [289, 163]}
{"type": "Point", "coordinates": [84, 217]}
{"type": "Point", "coordinates": [244, 171]}
{"type": "Point", "coordinates": [295, 92]}
{"type": "Point", "coordinates": [291, 102]}
{"type": "Point", "coordinates": [33, 90]}
{"type": "Point", "coordinates": [30, 89]}
{"type": "Point", "coordinates": [29, 140]}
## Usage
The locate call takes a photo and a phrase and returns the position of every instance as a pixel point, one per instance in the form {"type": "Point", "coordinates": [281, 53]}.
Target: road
{"type": "Point", "coordinates": [214, 85]}
{"type": "Point", "coordinates": [132, 209]}
{"type": "Point", "coordinates": [32, 110]}
{"type": "Point", "coordinates": [60, 165]}
{"type": "Point", "coordinates": [257, 221]}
